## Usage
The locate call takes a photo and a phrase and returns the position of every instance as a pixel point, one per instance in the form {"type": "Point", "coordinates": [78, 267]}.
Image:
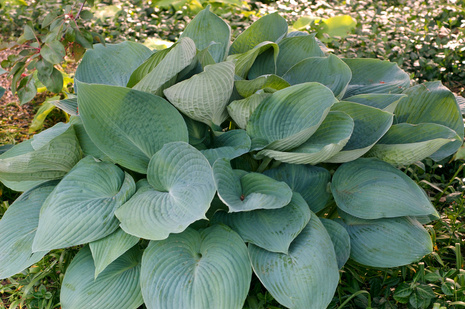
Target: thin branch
{"type": "Point", "coordinates": [80, 10]}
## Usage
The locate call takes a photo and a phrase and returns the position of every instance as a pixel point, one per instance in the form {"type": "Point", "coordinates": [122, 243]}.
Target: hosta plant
{"type": "Point", "coordinates": [184, 171]}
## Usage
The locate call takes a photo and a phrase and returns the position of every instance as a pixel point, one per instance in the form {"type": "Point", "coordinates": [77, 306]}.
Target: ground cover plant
{"type": "Point", "coordinates": [232, 134]}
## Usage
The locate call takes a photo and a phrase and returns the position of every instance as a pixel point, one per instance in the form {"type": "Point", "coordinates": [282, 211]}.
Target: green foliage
{"type": "Point", "coordinates": [153, 153]}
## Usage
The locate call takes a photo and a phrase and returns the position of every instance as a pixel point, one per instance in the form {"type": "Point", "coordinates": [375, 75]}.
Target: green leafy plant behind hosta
{"type": "Point", "coordinates": [184, 171]}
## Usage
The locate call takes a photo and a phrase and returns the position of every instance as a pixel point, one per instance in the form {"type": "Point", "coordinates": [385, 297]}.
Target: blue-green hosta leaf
{"type": "Point", "coordinates": [405, 143]}
{"type": "Point", "coordinates": [329, 71]}
{"type": "Point", "coordinates": [310, 181]}
{"type": "Point", "coordinates": [81, 207]}
{"type": "Point", "coordinates": [69, 105]}
{"type": "Point", "coordinates": [111, 64]}
{"type": "Point", "coordinates": [147, 66]}
{"type": "Point", "coordinates": [243, 191]}
{"type": "Point", "coordinates": [370, 125]}
{"type": "Point", "coordinates": [307, 276]}
{"type": "Point", "coordinates": [244, 61]}
{"type": "Point", "coordinates": [178, 192]}
{"type": "Point", "coordinates": [295, 49]}
{"type": "Point", "coordinates": [265, 64]}
{"type": "Point", "coordinates": [270, 27]}
{"type": "Point", "coordinates": [269, 83]}
{"type": "Point", "coordinates": [290, 116]}
{"type": "Point", "coordinates": [372, 189]}
{"type": "Point", "coordinates": [88, 147]}
{"type": "Point", "coordinates": [270, 229]}
{"type": "Point", "coordinates": [164, 74]}
{"type": "Point", "coordinates": [383, 101]}
{"type": "Point", "coordinates": [196, 270]}
{"type": "Point", "coordinates": [390, 242]}
{"type": "Point", "coordinates": [17, 227]}
{"type": "Point", "coordinates": [129, 125]}
{"type": "Point", "coordinates": [332, 135]}
{"type": "Point", "coordinates": [340, 239]}
{"type": "Point", "coordinates": [228, 145]}
{"type": "Point", "coordinates": [49, 155]}
{"type": "Point", "coordinates": [117, 287]}
{"type": "Point", "coordinates": [375, 76]}
{"type": "Point", "coordinates": [198, 131]}
{"type": "Point", "coordinates": [205, 28]}
{"type": "Point", "coordinates": [204, 96]}
{"type": "Point", "coordinates": [240, 110]}
{"type": "Point", "coordinates": [432, 103]}
{"type": "Point", "coordinates": [106, 250]}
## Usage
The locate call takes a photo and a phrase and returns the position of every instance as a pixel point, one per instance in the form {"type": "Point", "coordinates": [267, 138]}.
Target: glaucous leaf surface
{"type": "Point", "coordinates": [309, 181]}
{"type": "Point", "coordinates": [205, 28]}
{"type": "Point", "coordinates": [178, 191]}
{"type": "Point", "coordinates": [47, 156]}
{"type": "Point", "coordinates": [244, 61]}
{"type": "Point", "coordinates": [340, 239]}
{"type": "Point", "coordinates": [383, 101]}
{"type": "Point", "coordinates": [268, 83]}
{"type": "Point", "coordinates": [372, 189]}
{"type": "Point", "coordinates": [330, 137]}
{"type": "Point", "coordinates": [18, 226]}
{"type": "Point", "coordinates": [204, 96]}
{"type": "Point", "coordinates": [307, 276]}
{"type": "Point", "coordinates": [290, 116]}
{"type": "Point", "coordinates": [196, 270]}
{"type": "Point", "coordinates": [107, 249]}
{"type": "Point", "coordinates": [111, 64]}
{"type": "Point", "coordinates": [69, 105]}
{"type": "Point", "coordinates": [243, 191]}
{"type": "Point", "coordinates": [164, 74]}
{"type": "Point", "coordinates": [117, 287]}
{"type": "Point", "coordinates": [329, 71]}
{"type": "Point", "coordinates": [81, 207]}
{"type": "Point", "coordinates": [370, 124]}
{"type": "Point", "coordinates": [270, 229]}
{"type": "Point", "coordinates": [147, 66]}
{"type": "Point", "coordinates": [228, 145]}
{"type": "Point", "coordinates": [375, 76]}
{"type": "Point", "coordinates": [129, 125]}
{"type": "Point", "coordinates": [240, 110]}
{"type": "Point", "coordinates": [431, 102]}
{"type": "Point", "coordinates": [87, 145]}
{"type": "Point", "coordinates": [405, 143]}
{"type": "Point", "coordinates": [270, 27]}
{"type": "Point", "coordinates": [389, 242]}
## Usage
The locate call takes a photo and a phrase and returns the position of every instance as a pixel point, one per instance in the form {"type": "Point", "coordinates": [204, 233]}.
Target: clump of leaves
{"type": "Point", "coordinates": [184, 170]}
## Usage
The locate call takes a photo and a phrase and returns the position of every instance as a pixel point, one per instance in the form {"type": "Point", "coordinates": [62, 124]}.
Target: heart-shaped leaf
{"type": "Point", "coordinates": [178, 192]}
{"type": "Point", "coordinates": [210, 269]}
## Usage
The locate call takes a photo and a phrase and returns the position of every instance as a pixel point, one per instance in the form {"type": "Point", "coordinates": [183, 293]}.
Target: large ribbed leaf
{"type": "Point", "coordinates": [269, 83]}
{"type": "Point", "coordinates": [270, 229]}
{"type": "Point", "coordinates": [147, 66]}
{"type": "Point", "coordinates": [106, 250]}
{"type": "Point", "coordinates": [388, 242]}
{"type": "Point", "coordinates": [310, 181]}
{"type": "Point", "coordinates": [228, 145]}
{"type": "Point", "coordinates": [406, 143]}
{"type": "Point", "coordinates": [81, 207]}
{"type": "Point", "coordinates": [375, 76]}
{"type": "Point", "coordinates": [204, 96]}
{"type": "Point", "coordinates": [432, 103]}
{"type": "Point", "coordinates": [332, 135]}
{"type": "Point", "coordinates": [178, 192]}
{"type": "Point", "coordinates": [371, 189]}
{"type": "Point", "coordinates": [340, 239]}
{"type": "Point", "coordinates": [240, 110]}
{"type": "Point", "coordinates": [210, 269]}
{"type": "Point", "coordinates": [48, 155]}
{"type": "Point", "coordinates": [270, 27]}
{"type": "Point", "coordinates": [307, 276]}
{"type": "Point", "coordinates": [370, 125]}
{"type": "Point", "coordinates": [111, 64]}
{"type": "Point", "coordinates": [129, 125]}
{"type": "Point", "coordinates": [243, 191]}
{"type": "Point", "coordinates": [206, 28]}
{"type": "Point", "coordinates": [265, 64]}
{"type": "Point", "coordinates": [329, 71]}
{"type": "Point", "coordinates": [386, 102]}
{"type": "Point", "coordinates": [164, 74]}
{"type": "Point", "coordinates": [88, 147]}
{"type": "Point", "coordinates": [244, 61]}
{"type": "Point", "coordinates": [290, 116]}
{"type": "Point", "coordinates": [17, 227]}
{"type": "Point", "coordinates": [117, 287]}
